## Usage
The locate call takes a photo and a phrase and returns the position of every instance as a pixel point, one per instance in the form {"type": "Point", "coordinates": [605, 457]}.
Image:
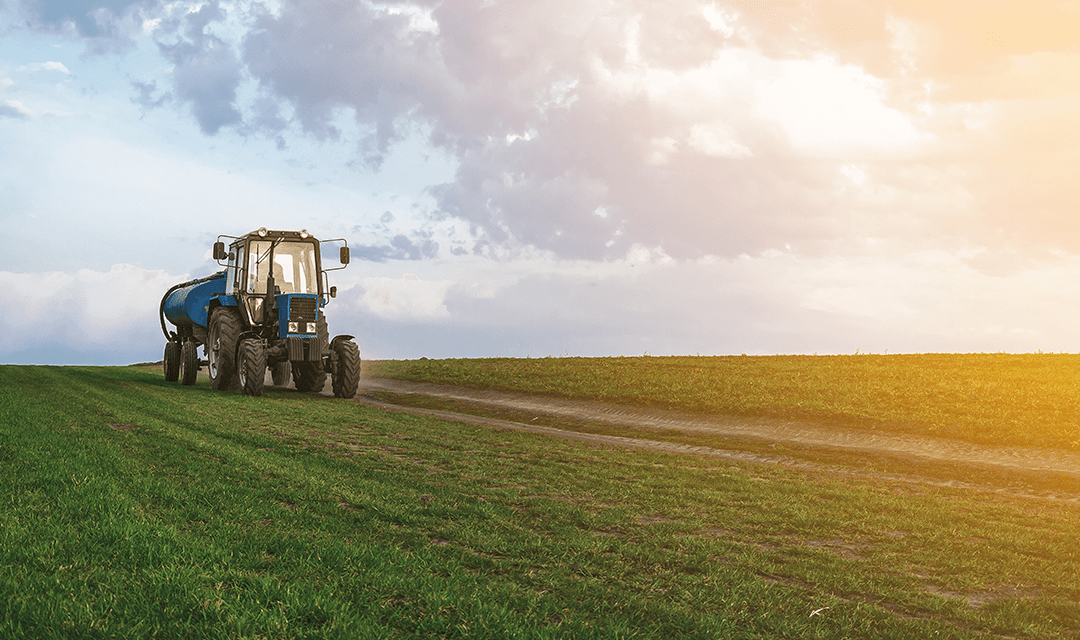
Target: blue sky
{"type": "Point", "coordinates": [527, 178]}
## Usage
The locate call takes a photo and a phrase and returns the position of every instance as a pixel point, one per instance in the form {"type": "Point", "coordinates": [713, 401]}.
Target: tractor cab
{"type": "Point", "coordinates": [268, 271]}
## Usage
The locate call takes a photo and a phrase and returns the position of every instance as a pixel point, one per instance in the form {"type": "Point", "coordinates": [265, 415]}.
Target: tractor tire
{"type": "Point", "coordinates": [171, 362]}
{"type": "Point", "coordinates": [347, 370]}
{"type": "Point", "coordinates": [281, 373]}
{"type": "Point", "coordinates": [225, 328]}
{"type": "Point", "coordinates": [189, 363]}
{"type": "Point", "coordinates": [251, 366]}
{"type": "Point", "coordinates": [308, 376]}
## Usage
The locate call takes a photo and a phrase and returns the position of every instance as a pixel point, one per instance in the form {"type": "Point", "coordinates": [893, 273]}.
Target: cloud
{"type": "Point", "coordinates": [405, 298]}
{"type": "Point", "coordinates": [541, 305]}
{"type": "Point", "coordinates": [324, 56]}
{"type": "Point", "coordinates": [206, 71]}
{"type": "Point", "coordinates": [701, 128]}
{"type": "Point", "coordinates": [666, 119]}
{"type": "Point", "coordinates": [106, 25]}
{"type": "Point", "coordinates": [14, 109]}
{"type": "Point", "coordinates": [146, 98]}
{"type": "Point", "coordinates": [111, 314]}
{"type": "Point", "coordinates": [400, 248]}
{"type": "Point", "coordinates": [705, 128]}
{"type": "Point", "coordinates": [779, 303]}
{"type": "Point", "coordinates": [46, 66]}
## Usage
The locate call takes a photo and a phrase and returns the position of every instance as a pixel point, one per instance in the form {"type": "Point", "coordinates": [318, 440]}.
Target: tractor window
{"type": "Point", "coordinates": [258, 253]}
{"type": "Point", "coordinates": [232, 272]}
{"type": "Point", "coordinates": [294, 267]}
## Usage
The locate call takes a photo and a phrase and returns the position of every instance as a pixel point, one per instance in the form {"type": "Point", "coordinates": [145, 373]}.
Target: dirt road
{"type": "Point", "coordinates": [936, 449]}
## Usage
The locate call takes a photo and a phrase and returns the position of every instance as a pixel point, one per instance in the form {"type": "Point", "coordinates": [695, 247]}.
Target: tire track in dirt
{"type": "Point", "coordinates": [940, 450]}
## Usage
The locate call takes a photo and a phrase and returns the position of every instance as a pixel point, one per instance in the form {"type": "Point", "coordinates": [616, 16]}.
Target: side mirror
{"type": "Point", "coordinates": [219, 251]}
{"type": "Point", "coordinates": [343, 255]}
{"type": "Point", "coordinates": [333, 292]}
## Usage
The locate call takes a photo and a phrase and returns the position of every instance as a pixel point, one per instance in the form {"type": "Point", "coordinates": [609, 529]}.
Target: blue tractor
{"type": "Point", "coordinates": [263, 311]}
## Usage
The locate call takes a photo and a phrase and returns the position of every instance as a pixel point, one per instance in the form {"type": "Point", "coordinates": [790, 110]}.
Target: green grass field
{"type": "Point", "coordinates": [137, 508]}
{"type": "Point", "coordinates": [1031, 399]}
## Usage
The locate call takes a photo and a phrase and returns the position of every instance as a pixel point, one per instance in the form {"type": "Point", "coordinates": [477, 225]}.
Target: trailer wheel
{"type": "Point", "coordinates": [347, 370]}
{"type": "Point", "coordinates": [308, 376]}
{"type": "Point", "coordinates": [225, 327]}
{"type": "Point", "coordinates": [252, 366]}
{"type": "Point", "coordinates": [172, 361]}
{"type": "Point", "coordinates": [189, 363]}
{"type": "Point", "coordinates": [281, 373]}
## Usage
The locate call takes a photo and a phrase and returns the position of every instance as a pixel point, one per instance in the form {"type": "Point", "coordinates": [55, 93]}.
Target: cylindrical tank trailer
{"type": "Point", "coordinates": [186, 304]}
{"type": "Point", "coordinates": [264, 310]}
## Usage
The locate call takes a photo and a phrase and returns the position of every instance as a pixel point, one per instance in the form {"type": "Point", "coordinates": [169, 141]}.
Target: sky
{"type": "Point", "coordinates": [533, 178]}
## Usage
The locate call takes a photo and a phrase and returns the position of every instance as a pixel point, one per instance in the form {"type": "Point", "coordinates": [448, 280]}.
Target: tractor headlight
{"type": "Point", "coordinates": [294, 327]}
{"type": "Point", "coordinates": [304, 234]}
{"type": "Point", "coordinates": [262, 232]}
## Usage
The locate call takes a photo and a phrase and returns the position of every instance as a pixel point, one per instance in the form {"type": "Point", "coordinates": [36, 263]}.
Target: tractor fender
{"type": "Point", "coordinates": [223, 300]}
{"type": "Point", "coordinates": [330, 359]}
{"type": "Point", "coordinates": [220, 301]}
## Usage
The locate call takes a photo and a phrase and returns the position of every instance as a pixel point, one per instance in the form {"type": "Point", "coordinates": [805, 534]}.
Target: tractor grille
{"type": "Point", "coordinates": [302, 309]}
{"type": "Point", "coordinates": [305, 349]}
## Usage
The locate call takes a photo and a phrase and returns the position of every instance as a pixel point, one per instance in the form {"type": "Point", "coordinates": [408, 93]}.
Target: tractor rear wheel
{"type": "Point", "coordinates": [308, 376]}
{"type": "Point", "coordinates": [252, 366]}
{"type": "Point", "coordinates": [281, 373]}
{"type": "Point", "coordinates": [225, 328]}
{"type": "Point", "coordinates": [189, 363]}
{"type": "Point", "coordinates": [172, 361]}
{"type": "Point", "coordinates": [347, 370]}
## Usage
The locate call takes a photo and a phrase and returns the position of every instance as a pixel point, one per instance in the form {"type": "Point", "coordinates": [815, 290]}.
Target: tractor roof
{"type": "Point", "coordinates": [269, 233]}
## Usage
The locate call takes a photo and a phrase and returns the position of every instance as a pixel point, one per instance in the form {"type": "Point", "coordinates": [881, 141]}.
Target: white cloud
{"type": "Point", "coordinates": [717, 139]}
{"type": "Point", "coordinates": [538, 304]}
{"type": "Point", "coordinates": [45, 66]}
{"type": "Point", "coordinates": [834, 110]}
{"type": "Point", "coordinates": [420, 18]}
{"type": "Point", "coordinates": [15, 109]}
{"type": "Point", "coordinates": [86, 310]}
{"type": "Point", "coordinates": [661, 149]}
{"type": "Point", "coordinates": [777, 302]}
{"type": "Point", "coordinates": [854, 172]}
{"type": "Point", "coordinates": [719, 20]}
{"type": "Point", "coordinates": [824, 107]}
{"type": "Point", "coordinates": [405, 298]}
{"type": "Point", "coordinates": [916, 296]}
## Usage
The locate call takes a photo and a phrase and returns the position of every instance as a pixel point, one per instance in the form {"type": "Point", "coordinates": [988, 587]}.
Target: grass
{"type": "Point", "coordinates": [138, 508]}
{"type": "Point", "coordinates": [997, 399]}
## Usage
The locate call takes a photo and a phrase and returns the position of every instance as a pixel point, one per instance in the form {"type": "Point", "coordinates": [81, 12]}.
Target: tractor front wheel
{"type": "Point", "coordinates": [172, 361]}
{"type": "Point", "coordinates": [225, 327]}
{"type": "Point", "coordinates": [189, 363]}
{"type": "Point", "coordinates": [347, 369]}
{"type": "Point", "coordinates": [252, 367]}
